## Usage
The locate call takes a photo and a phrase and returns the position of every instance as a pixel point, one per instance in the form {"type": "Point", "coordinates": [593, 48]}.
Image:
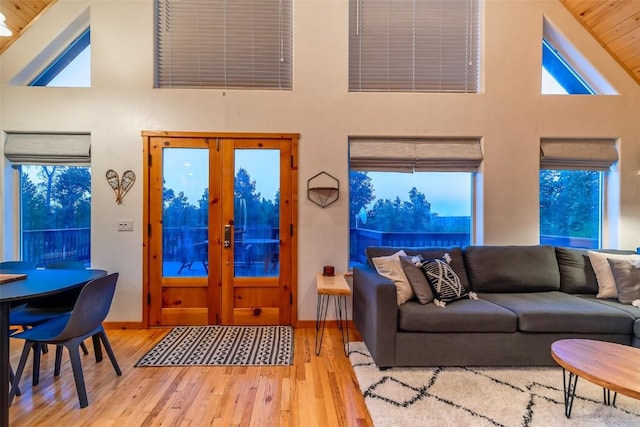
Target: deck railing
{"type": "Point", "coordinates": [56, 244]}
{"type": "Point", "coordinates": [361, 238]}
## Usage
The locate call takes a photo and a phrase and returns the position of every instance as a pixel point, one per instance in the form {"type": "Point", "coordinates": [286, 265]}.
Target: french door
{"type": "Point", "coordinates": [222, 220]}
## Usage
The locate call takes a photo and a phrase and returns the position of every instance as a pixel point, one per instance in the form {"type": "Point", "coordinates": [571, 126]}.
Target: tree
{"type": "Point", "coordinates": [570, 203]}
{"type": "Point", "coordinates": [71, 191]}
{"type": "Point", "coordinates": [360, 193]}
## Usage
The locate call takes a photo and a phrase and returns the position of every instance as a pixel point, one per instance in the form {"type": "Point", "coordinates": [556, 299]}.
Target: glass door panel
{"type": "Point", "coordinates": [185, 212]}
{"type": "Point", "coordinates": [257, 213]}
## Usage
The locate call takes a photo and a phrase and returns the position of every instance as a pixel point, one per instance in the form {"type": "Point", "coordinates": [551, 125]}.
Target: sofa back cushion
{"type": "Point", "coordinates": [576, 273]}
{"type": "Point", "coordinates": [512, 268]}
{"type": "Point", "coordinates": [457, 259]}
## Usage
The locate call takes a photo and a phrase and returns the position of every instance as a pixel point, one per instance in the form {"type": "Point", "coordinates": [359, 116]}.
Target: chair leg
{"type": "Point", "coordinates": [110, 353]}
{"type": "Point", "coordinates": [76, 366]}
{"type": "Point", "coordinates": [11, 377]}
{"type": "Point", "coordinates": [16, 378]}
{"type": "Point", "coordinates": [83, 346]}
{"type": "Point", "coordinates": [56, 369]}
{"type": "Point", "coordinates": [97, 348]}
{"type": "Point", "coordinates": [37, 353]}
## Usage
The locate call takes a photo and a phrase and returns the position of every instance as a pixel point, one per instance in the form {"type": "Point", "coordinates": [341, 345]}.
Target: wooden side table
{"type": "Point", "coordinates": [327, 287]}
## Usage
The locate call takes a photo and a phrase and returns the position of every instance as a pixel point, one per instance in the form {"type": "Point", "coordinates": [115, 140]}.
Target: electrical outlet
{"type": "Point", "coordinates": [125, 225]}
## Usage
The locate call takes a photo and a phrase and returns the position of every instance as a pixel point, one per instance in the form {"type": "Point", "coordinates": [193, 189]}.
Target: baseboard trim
{"type": "Point", "coordinates": [301, 324]}
{"type": "Point", "coordinates": [312, 324]}
{"type": "Point", "coordinates": [123, 325]}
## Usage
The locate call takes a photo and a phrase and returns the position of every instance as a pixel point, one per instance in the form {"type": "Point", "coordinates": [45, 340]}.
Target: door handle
{"type": "Point", "coordinates": [227, 236]}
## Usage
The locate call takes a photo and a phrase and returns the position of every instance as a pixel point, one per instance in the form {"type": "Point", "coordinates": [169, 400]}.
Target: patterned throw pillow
{"type": "Point", "coordinates": [444, 282]}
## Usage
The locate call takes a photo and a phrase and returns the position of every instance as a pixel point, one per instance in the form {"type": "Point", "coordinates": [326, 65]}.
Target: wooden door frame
{"type": "Point", "coordinates": [147, 137]}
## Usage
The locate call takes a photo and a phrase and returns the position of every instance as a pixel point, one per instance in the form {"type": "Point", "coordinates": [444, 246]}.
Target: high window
{"type": "Point", "coordinates": [411, 192]}
{"type": "Point", "coordinates": [414, 45]}
{"type": "Point", "coordinates": [72, 68]}
{"type": "Point", "coordinates": [55, 196]}
{"type": "Point", "coordinates": [223, 44]}
{"type": "Point", "coordinates": [572, 176]}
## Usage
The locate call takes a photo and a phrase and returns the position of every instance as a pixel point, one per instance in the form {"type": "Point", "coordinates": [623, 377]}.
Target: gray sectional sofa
{"type": "Point", "coordinates": [528, 297]}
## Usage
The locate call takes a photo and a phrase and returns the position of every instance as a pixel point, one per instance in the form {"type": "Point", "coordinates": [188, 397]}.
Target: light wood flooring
{"type": "Point", "coordinates": [314, 391]}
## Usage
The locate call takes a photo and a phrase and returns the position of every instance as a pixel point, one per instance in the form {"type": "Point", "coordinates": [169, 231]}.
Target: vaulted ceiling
{"type": "Point", "coordinates": [614, 23]}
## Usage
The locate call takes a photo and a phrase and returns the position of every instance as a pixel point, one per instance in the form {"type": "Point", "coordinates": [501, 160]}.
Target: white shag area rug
{"type": "Point", "coordinates": [511, 396]}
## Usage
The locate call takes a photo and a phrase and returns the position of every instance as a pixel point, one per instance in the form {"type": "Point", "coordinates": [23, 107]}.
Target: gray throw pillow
{"type": "Point", "coordinates": [416, 278]}
{"type": "Point", "coordinates": [627, 278]}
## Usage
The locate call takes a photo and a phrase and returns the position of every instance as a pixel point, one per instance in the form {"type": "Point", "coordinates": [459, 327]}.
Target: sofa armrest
{"type": "Point", "coordinates": [375, 313]}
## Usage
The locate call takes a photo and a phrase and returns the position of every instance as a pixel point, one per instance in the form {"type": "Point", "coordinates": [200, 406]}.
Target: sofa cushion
{"type": "Point", "coordinates": [627, 279]}
{"type": "Point", "coordinates": [463, 316]}
{"type": "Point", "coordinates": [389, 267]}
{"type": "Point", "coordinates": [576, 274]}
{"type": "Point", "coordinates": [606, 282]}
{"type": "Point", "coordinates": [512, 268]}
{"type": "Point", "coordinates": [417, 280]}
{"type": "Point", "coordinates": [614, 303]}
{"type": "Point", "coordinates": [455, 252]}
{"type": "Point", "coordinates": [560, 312]}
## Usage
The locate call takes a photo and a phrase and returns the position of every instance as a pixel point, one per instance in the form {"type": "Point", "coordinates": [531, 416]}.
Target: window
{"type": "Point", "coordinates": [55, 195]}
{"type": "Point", "coordinates": [223, 44]}
{"type": "Point", "coordinates": [72, 68]}
{"type": "Point", "coordinates": [572, 191]}
{"type": "Point", "coordinates": [565, 71]}
{"type": "Point", "coordinates": [55, 213]}
{"type": "Point", "coordinates": [414, 45]}
{"type": "Point", "coordinates": [411, 192]}
{"type": "Point", "coordinates": [558, 76]}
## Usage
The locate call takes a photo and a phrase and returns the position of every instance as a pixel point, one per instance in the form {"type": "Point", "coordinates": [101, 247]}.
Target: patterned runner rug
{"type": "Point", "coordinates": [222, 346]}
{"type": "Point", "coordinates": [510, 396]}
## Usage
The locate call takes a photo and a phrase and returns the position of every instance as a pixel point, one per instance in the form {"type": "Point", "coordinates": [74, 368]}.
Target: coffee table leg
{"type": "Point", "coordinates": [607, 397]}
{"type": "Point", "coordinates": [569, 383]}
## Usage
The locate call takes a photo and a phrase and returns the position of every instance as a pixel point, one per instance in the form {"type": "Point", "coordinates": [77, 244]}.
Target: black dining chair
{"type": "Point", "coordinates": [42, 309]}
{"type": "Point", "coordinates": [71, 329]}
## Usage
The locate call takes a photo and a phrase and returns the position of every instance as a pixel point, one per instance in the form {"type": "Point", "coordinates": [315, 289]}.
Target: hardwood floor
{"type": "Point", "coordinates": [314, 391]}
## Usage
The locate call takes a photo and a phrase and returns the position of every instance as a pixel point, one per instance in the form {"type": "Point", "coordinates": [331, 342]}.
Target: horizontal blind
{"type": "Point", "coordinates": [578, 154]}
{"type": "Point", "coordinates": [48, 149]}
{"type": "Point", "coordinates": [415, 154]}
{"type": "Point", "coordinates": [223, 44]}
{"type": "Point", "coordinates": [414, 45]}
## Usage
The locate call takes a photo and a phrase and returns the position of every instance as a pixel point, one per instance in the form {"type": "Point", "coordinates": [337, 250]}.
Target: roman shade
{"type": "Point", "coordinates": [414, 45]}
{"type": "Point", "coordinates": [223, 44]}
{"type": "Point", "coordinates": [415, 154]}
{"type": "Point", "coordinates": [48, 148]}
{"type": "Point", "coordinates": [578, 154]}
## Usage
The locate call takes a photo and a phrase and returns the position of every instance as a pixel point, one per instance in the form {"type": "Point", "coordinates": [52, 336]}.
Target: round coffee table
{"type": "Point", "coordinates": [614, 367]}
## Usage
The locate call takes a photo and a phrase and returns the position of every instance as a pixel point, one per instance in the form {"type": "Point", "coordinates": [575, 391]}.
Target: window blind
{"type": "Point", "coordinates": [415, 154]}
{"type": "Point", "coordinates": [223, 44]}
{"type": "Point", "coordinates": [414, 45]}
{"type": "Point", "coordinates": [48, 149]}
{"type": "Point", "coordinates": [578, 154]}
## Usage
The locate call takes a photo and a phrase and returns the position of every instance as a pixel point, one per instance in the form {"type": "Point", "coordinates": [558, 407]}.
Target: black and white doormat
{"type": "Point", "coordinates": [482, 397]}
{"type": "Point", "coordinates": [222, 346]}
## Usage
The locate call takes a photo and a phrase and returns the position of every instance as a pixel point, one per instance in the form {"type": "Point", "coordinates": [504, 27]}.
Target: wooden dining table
{"type": "Point", "coordinates": [15, 288]}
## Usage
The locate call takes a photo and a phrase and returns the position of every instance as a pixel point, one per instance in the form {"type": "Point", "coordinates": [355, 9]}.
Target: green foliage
{"type": "Point", "coordinates": [60, 198]}
{"type": "Point", "coordinates": [570, 203]}
{"type": "Point", "coordinates": [251, 209]}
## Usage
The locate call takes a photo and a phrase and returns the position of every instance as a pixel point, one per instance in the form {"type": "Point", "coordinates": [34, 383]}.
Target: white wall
{"type": "Point", "coordinates": [510, 115]}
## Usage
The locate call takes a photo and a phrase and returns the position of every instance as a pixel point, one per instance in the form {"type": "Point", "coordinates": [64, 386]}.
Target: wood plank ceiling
{"type": "Point", "coordinates": [20, 14]}
{"type": "Point", "coordinates": [615, 24]}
